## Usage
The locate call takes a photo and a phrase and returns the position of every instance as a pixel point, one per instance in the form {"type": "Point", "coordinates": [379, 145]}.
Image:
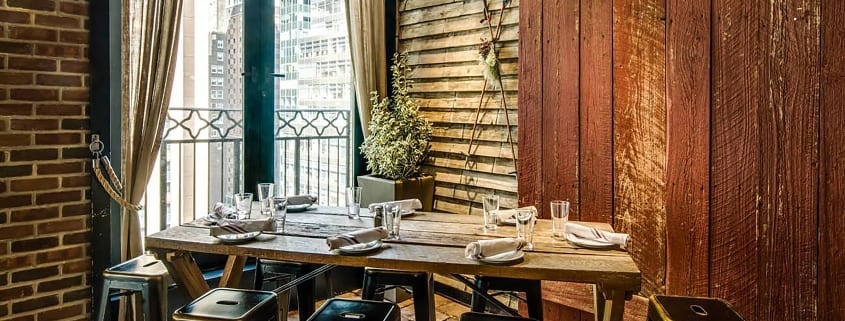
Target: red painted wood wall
{"type": "Point", "coordinates": [711, 131]}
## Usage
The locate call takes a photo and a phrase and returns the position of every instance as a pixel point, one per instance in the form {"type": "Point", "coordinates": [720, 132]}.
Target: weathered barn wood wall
{"type": "Point", "coordinates": [712, 131]}
{"type": "Point", "coordinates": [441, 38]}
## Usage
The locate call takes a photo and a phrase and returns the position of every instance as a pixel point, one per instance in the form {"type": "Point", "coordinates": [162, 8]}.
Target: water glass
{"type": "Point", "coordinates": [560, 214]}
{"type": "Point", "coordinates": [279, 215]}
{"type": "Point", "coordinates": [265, 198]}
{"type": "Point", "coordinates": [353, 202]}
{"type": "Point", "coordinates": [525, 219]}
{"type": "Point", "coordinates": [491, 209]}
{"type": "Point", "coordinates": [392, 220]}
{"type": "Point", "coordinates": [243, 205]}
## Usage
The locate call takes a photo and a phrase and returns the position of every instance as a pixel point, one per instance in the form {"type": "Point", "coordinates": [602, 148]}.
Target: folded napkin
{"type": "Point", "coordinates": [301, 199]}
{"type": "Point", "coordinates": [220, 212]}
{"type": "Point", "coordinates": [487, 248]}
{"type": "Point", "coordinates": [355, 237]}
{"type": "Point", "coordinates": [407, 206]}
{"type": "Point", "coordinates": [511, 214]}
{"type": "Point", "coordinates": [241, 226]}
{"type": "Point", "coordinates": [591, 233]}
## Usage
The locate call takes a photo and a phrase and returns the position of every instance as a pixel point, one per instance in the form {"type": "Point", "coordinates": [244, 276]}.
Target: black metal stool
{"type": "Point", "coordinates": [356, 310]}
{"type": "Point", "coordinates": [668, 307]}
{"type": "Point", "coordinates": [224, 304]}
{"type": "Point", "coordinates": [280, 271]}
{"type": "Point", "coordinates": [144, 276]}
{"type": "Point", "coordinates": [532, 289]}
{"type": "Point", "coordinates": [475, 316]}
{"type": "Point", "coordinates": [420, 283]}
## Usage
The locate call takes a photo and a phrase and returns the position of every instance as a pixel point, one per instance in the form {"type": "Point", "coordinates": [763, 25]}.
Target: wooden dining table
{"type": "Point", "coordinates": [431, 242]}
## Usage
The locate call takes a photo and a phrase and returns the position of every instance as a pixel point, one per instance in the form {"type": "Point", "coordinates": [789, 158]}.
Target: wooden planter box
{"type": "Point", "coordinates": [376, 190]}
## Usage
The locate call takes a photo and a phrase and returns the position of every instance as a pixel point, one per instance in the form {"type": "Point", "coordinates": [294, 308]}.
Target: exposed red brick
{"type": "Point", "coordinates": [76, 181]}
{"type": "Point", "coordinates": [39, 64]}
{"type": "Point", "coordinates": [60, 168]}
{"type": "Point", "coordinates": [77, 266]}
{"type": "Point", "coordinates": [58, 80]}
{"type": "Point", "coordinates": [72, 123]}
{"type": "Point", "coordinates": [15, 292]}
{"type": "Point", "coordinates": [34, 184]}
{"type": "Point", "coordinates": [76, 210]}
{"type": "Point", "coordinates": [3, 216]}
{"type": "Point", "coordinates": [58, 139]}
{"type": "Point", "coordinates": [35, 303]}
{"type": "Point", "coordinates": [74, 66]}
{"type": "Point", "coordinates": [30, 245]}
{"type": "Point", "coordinates": [58, 197]}
{"type": "Point", "coordinates": [76, 295]}
{"type": "Point", "coordinates": [77, 8]}
{"type": "Point", "coordinates": [59, 255]}
{"type": "Point", "coordinates": [35, 214]}
{"type": "Point", "coordinates": [75, 94]}
{"type": "Point", "coordinates": [15, 171]}
{"type": "Point", "coordinates": [33, 155]}
{"type": "Point", "coordinates": [57, 21]}
{"type": "Point", "coordinates": [74, 37]}
{"type": "Point", "coordinates": [61, 51]}
{"type": "Point", "coordinates": [28, 317]}
{"type": "Point", "coordinates": [35, 124]}
{"type": "Point", "coordinates": [15, 78]}
{"type": "Point", "coordinates": [61, 313]}
{"type": "Point", "coordinates": [57, 109]}
{"type": "Point", "coordinates": [9, 140]}
{"type": "Point", "coordinates": [17, 262]}
{"type": "Point", "coordinates": [74, 153]}
{"type": "Point", "coordinates": [15, 109]}
{"type": "Point", "coordinates": [61, 226]}
{"type": "Point", "coordinates": [14, 16]}
{"type": "Point", "coordinates": [4, 309]}
{"type": "Point", "coordinates": [76, 238]}
{"type": "Point", "coordinates": [22, 48]}
{"type": "Point", "coordinates": [34, 94]}
{"type": "Point", "coordinates": [4, 124]}
{"type": "Point", "coordinates": [16, 200]}
{"type": "Point", "coordinates": [43, 5]}
{"type": "Point", "coordinates": [15, 232]}
{"type": "Point", "coordinates": [33, 33]}
{"type": "Point", "coordinates": [59, 284]}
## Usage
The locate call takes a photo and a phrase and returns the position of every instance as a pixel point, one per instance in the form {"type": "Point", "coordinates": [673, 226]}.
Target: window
{"type": "Point", "coordinates": [216, 81]}
{"type": "Point", "coordinates": [219, 56]}
{"type": "Point", "coordinates": [220, 44]}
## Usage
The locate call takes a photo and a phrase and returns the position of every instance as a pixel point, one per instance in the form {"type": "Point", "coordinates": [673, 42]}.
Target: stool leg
{"type": "Point", "coordinates": [157, 302]}
{"type": "Point", "coordinates": [479, 304]}
{"type": "Point", "coordinates": [139, 305]}
{"type": "Point", "coordinates": [104, 301]}
{"type": "Point", "coordinates": [305, 294]}
{"type": "Point", "coordinates": [145, 303]}
{"type": "Point", "coordinates": [534, 298]}
{"type": "Point", "coordinates": [258, 281]}
{"type": "Point", "coordinates": [423, 299]}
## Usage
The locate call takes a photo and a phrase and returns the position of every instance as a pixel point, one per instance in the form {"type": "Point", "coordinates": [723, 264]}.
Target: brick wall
{"type": "Point", "coordinates": [44, 180]}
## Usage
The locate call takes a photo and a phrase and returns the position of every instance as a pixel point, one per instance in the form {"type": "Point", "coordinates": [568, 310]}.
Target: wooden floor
{"type": "Point", "coordinates": [445, 309]}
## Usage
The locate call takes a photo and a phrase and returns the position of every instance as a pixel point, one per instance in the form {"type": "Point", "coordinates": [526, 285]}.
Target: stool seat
{"type": "Point", "coordinates": [475, 316]}
{"type": "Point", "coordinates": [144, 276]}
{"type": "Point", "coordinates": [356, 310]}
{"type": "Point", "coordinates": [143, 266]}
{"type": "Point", "coordinates": [224, 304]}
{"type": "Point", "coordinates": [420, 283]}
{"type": "Point", "coordinates": [532, 289]}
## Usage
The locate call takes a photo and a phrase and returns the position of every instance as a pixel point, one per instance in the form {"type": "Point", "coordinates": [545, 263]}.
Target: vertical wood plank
{"type": "Point", "coordinates": [560, 147]}
{"type": "Point", "coordinates": [735, 155]}
{"type": "Point", "coordinates": [832, 164]}
{"type": "Point", "coordinates": [596, 90]}
{"type": "Point", "coordinates": [789, 173]}
{"type": "Point", "coordinates": [530, 161]}
{"type": "Point", "coordinates": [688, 147]}
{"type": "Point", "coordinates": [639, 122]}
{"type": "Point", "coordinates": [557, 312]}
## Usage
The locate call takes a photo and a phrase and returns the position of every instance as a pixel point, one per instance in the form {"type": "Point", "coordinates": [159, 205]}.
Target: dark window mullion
{"type": "Point", "coordinates": [259, 65]}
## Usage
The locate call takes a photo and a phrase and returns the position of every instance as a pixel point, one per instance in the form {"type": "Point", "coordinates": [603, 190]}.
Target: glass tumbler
{"type": "Point", "coordinates": [491, 209]}
{"type": "Point", "coordinates": [243, 205]}
{"type": "Point", "coordinates": [279, 215]}
{"type": "Point", "coordinates": [525, 219]}
{"type": "Point", "coordinates": [265, 198]}
{"type": "Point", "coordinates": [392, 220]}
{"type": "Point", "coordinates": [353, 202]}
{"type": "Point", "coordinates": [560, 215]}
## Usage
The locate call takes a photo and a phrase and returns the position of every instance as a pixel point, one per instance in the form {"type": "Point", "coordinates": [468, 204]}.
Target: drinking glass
{"type": "Point", "coordinates": [265, 198]}
{"type": "Point", "coordinates": [525, 226]}
{"type": "Point", "coordinates": [243, 205]}
{"type": "Point", "coordinates": [560, 214]}
{"type": "Point", "coordinates": [279, 215]}
{"type": "Point", "coordinates": [392, 219]}
{"type": "Point", "coordinates": [491, 209]}
{"type": "Point", "coordinates": [353, 202]}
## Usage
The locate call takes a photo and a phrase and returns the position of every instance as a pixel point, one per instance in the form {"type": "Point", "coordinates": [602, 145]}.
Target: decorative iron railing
{"type": "Point", "coordinates": [201, 160]}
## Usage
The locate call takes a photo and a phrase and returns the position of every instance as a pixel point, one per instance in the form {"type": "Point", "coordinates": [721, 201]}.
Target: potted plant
{"type": "Point", "coordinates": [397, 145]}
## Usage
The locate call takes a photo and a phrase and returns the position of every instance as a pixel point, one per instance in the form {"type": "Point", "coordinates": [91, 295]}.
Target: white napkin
{"type": "Point", "coordinates": [220, 211]}
{"type": "Point", "coordinates": [405, 206]}
{"type": "Point", "coordinates": [301, 199]}
{"type": "Point", "coordinates": [590, 233]}
{"type": "Point", "coordinates": [355, 237]}
{"type": "Point", "coordinates": [487, 248]}
{"type": "Point", "coordinates": [241, 226]}
{"type": "Point", "coordinates": [511, 214]}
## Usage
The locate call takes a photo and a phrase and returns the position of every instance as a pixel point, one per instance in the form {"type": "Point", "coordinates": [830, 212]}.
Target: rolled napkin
{"type": "Point", "coordinates": [241, 226]}
{"type": "Point", "coordinates": [487, 248]}
{"type": "Point", "coordinates": [511, 213]}
{"type": "Point", "coordinates": [591, 233]}
{"type": "Point", "coordinates": [301, 199]}
{"type": "Point", "coordinates": [220, 211]}
{"type": "Point", "coordinates": [407, 206]}
{"type": "Point", "coordinates": [355, 237]}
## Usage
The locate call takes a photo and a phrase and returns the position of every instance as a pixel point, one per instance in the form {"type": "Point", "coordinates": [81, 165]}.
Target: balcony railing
{"type": "Point", "coordinates": [201, 160]}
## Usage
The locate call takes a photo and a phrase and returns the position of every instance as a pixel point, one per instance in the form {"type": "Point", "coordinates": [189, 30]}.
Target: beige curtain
{"type": "Point", "coordinates": [150, 39]}
{"type": "Point", "coordinates": [369, 65]}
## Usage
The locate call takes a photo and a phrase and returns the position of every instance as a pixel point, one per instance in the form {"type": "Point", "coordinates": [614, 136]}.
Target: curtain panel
{"type": "Point", "coordinates": [369, 63]}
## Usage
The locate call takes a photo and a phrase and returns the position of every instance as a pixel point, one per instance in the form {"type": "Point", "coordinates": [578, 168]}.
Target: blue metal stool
{"type": "Point", "coordinates": [420, 283]}
{"type": "Point", "coordinates": [532, 289]}
{"type": "Point", "coordinates": [146, 279]}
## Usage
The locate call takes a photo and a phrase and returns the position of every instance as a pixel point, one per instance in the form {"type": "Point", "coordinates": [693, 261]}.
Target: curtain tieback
{"type": "Point", "coordinates": [112, 186]}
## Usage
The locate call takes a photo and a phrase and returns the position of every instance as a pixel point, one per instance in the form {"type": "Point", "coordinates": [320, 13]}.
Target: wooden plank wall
{"type": "Point", "coordinates": [442, 38]}
{"type": "Point", "coordinates": [711, 131]}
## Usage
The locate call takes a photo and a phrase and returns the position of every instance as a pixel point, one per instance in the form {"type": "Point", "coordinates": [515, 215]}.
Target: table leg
{"type": "Point", "coordinates": [598, 303]}
{"type": "Point", "coordinates": [610, 304]}
{"type": "Point", "coordinates": [185, 272]}
{"type": "Point", "coordinates": [232, 272]}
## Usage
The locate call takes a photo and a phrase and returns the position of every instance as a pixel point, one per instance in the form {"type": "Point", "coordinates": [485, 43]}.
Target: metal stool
{"type": "Point", "coordinates": [532, 289]}
{"type": "Point", "coordinates": [420, 283]}
{"type": "Point", "coordinates": [356, 310]}
{"type": "Point", "coordinates": [475, 316]}
{"type": "Point", "coordinates": [668, 307]}
{"type": "Point", "coordinates": [142, 275]}
{"type": "Point", "coordinates": [284, 271]}
{"type": "Point", "coordinates": [224, 304]}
